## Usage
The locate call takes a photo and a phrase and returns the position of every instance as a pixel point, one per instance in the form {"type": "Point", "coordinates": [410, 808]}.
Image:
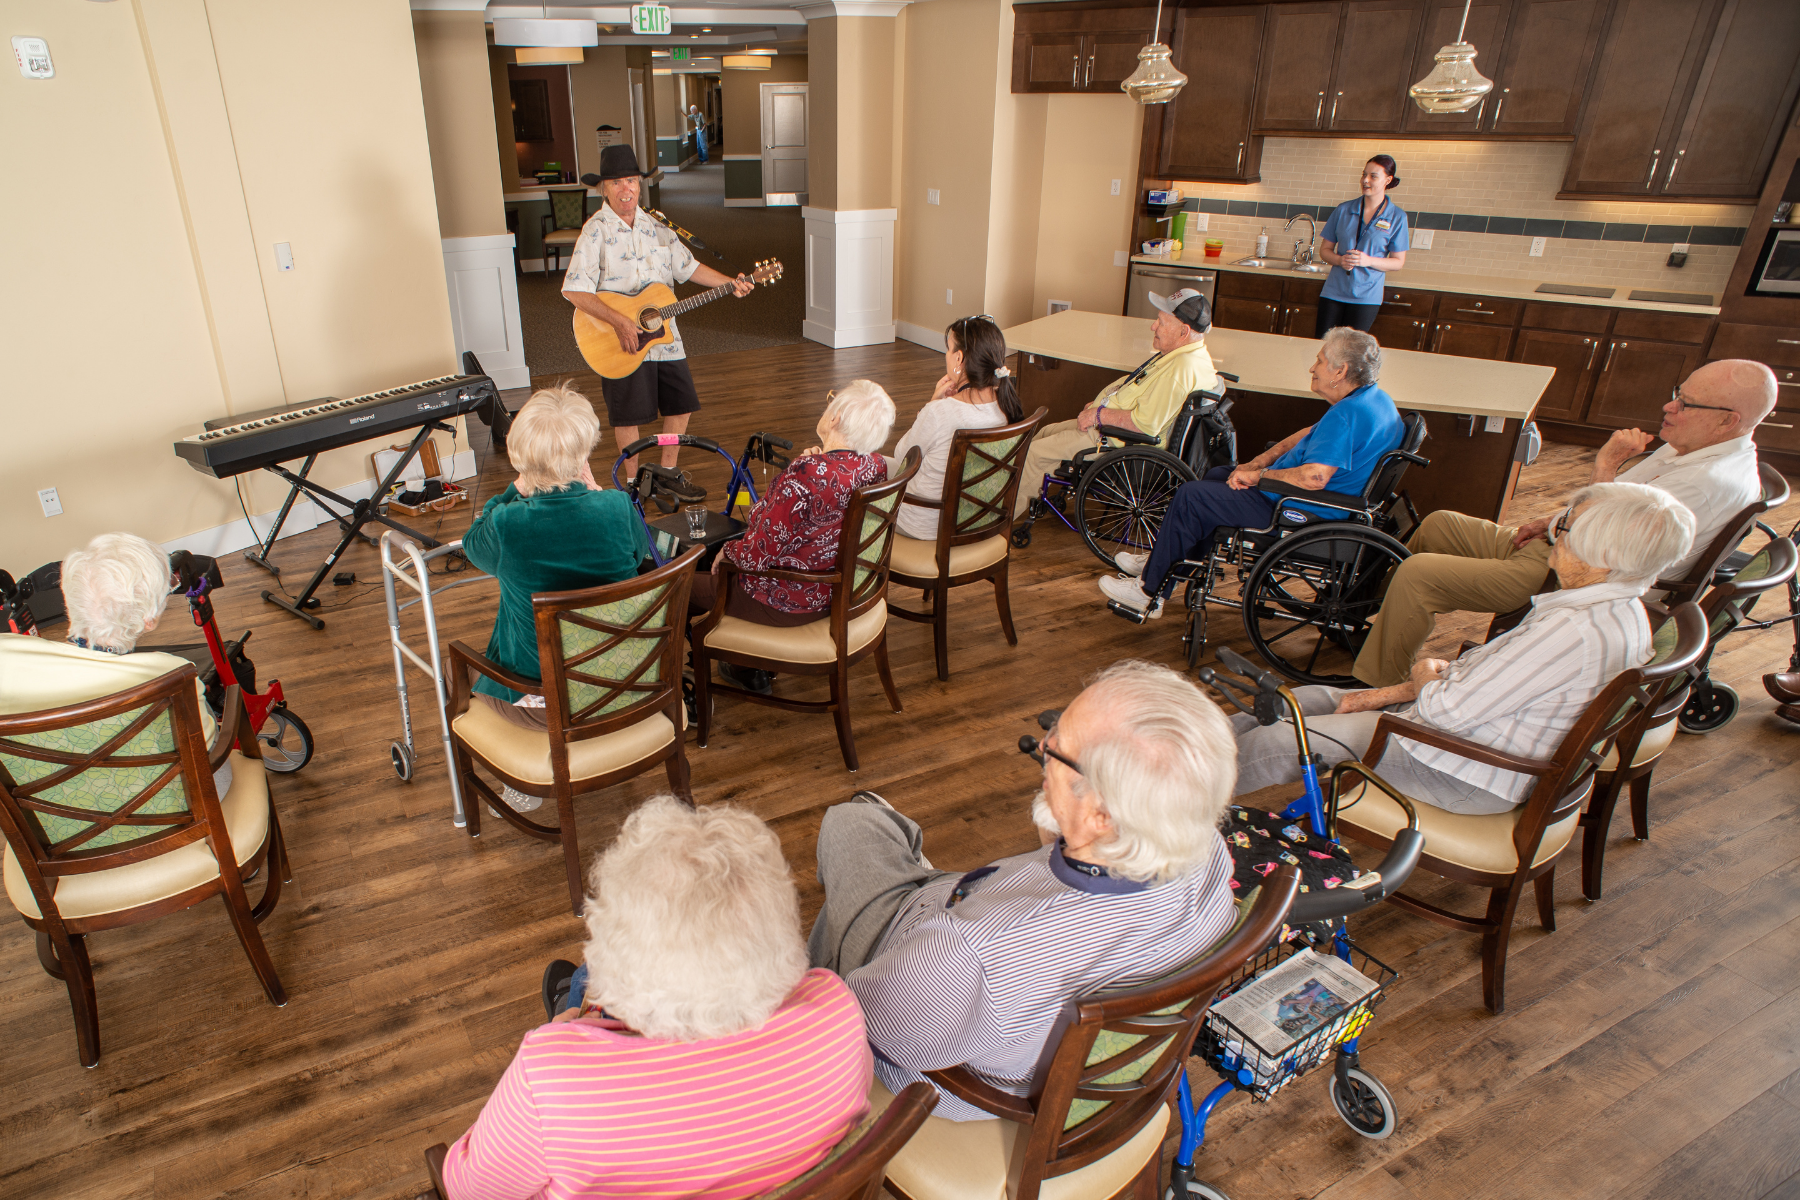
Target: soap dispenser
{"type": "Point", "coordinates": [1262, 243]}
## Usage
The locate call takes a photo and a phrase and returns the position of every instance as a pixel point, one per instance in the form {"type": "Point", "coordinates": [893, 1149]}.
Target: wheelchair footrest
{"type": "Point", "coordinates": [1135, 615]}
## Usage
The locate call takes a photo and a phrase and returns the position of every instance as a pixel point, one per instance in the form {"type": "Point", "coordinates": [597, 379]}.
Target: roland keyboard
{"type": "Point", "coordinates": [260, 439]}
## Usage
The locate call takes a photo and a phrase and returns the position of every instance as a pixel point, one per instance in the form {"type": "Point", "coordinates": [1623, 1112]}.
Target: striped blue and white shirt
{"type": "Point", "coordinates": [981, 983]}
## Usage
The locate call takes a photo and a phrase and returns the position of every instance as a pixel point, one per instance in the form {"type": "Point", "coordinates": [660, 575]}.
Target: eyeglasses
{"type": "Point", "coordinates": [1561, 525]}
{"type": "Point", "coordinates": [1682, 403]}
{"type": "Point", "coordinates": [1039, 750]}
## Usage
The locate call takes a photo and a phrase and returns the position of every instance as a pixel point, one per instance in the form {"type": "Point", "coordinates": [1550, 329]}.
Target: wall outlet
{"type": "Point", "coordinates": [1196, 222]}
{"type": "Point", "coordinates": [1496, 425]}
{"type": "Point", "coordinates": [931, 195]}
{"type": "Point", "coordinates": [1537, 247]}
{"type": "Point", "coordinates": [50, 502]}
{"type": "Point", "coordinates": [1115, 187]}
{"type": "Point", "coordinates": [1420, 239]}
{"type": "Point", "coordinates": [284, 256]}
{"type": "Point", "coordinates": [1057, 306]}
{"type": "Point", "coordinates": [949, 296]}
{"type": "Point", "coordinates": [1121, 258]}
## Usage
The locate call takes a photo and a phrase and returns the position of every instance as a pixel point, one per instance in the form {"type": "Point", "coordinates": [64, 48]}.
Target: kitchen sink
{"type": "Point", "coordinates": [1281, 264]}
{"type": "Point", "coordinates": [1254, 262]}
{"type": "Point", "coordinates": [1311, 269]}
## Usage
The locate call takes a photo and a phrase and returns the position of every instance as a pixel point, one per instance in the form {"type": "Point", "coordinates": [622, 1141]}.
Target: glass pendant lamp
{"type": "Point", "coordinates": [1156, 81]}
{"type": "Point", "coordinates": [1454, 85]}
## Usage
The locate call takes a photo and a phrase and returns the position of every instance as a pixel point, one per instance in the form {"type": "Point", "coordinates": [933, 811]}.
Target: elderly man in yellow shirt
{"type": "Point", "coordinates": [1146, 400]}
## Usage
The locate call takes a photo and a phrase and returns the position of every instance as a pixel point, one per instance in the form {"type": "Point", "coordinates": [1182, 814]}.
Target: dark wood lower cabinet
{"type": "Point", "coordinates": [1636, 380]}
{"type": "Point", "coordinates": [1258, 316]}
{"type": "Point", "coordinates": [1400, 330]}
{"type": "Point", "coordinates": [1470, 340]}
{"type": "Point", "coordinates": [1573, 356]}
{"type": "Point", "coordinates": [1300, 320]}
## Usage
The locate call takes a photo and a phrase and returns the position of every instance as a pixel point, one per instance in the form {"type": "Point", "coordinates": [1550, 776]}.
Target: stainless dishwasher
{"type": "Point", "coordinates": [1163, 278]}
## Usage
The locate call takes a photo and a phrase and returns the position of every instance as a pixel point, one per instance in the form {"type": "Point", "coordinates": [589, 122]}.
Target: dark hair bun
{"type": "Point", "coordinates": [1386, 163]}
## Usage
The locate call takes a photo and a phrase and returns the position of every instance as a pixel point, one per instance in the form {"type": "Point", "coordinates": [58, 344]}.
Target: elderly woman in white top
{"type": "Point", "coordinates": [115, 591]}
{"type": "Point", "coordinates": [976, 392]}
{"type": "Point", "coordinates": [1523, 691]}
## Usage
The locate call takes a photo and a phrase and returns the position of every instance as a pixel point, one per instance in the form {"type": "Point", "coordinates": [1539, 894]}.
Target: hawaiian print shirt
{"type": "Point", "coordinates": [611, 256]}
{"type": "Point", "coordinates": [795, 527]}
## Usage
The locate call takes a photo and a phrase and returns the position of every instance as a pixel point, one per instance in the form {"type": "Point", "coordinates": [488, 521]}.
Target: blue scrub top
{"type": "Point", "coordinates": [1383, 236]}
{"type": "Point", "coordinates": [1351, 437]}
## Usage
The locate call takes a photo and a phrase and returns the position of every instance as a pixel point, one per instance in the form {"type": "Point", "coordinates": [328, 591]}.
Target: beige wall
{"type": "Point", "coordinates": [742, 100]}
{"type": "Point", "coordinates": [668, 107]}
{"type": "Point", "coordinates": [866, 104]}
{"type": "Point", "coordinates": [602, 95]}
{"type": "Point", "coordinates": [187, 104]}
{"type": "Point", "coordinates": [1090, 141]}
{"type": "Point", "coordinates": [459, 120]}
{"type": "Point", "coordinates": [499, 58]}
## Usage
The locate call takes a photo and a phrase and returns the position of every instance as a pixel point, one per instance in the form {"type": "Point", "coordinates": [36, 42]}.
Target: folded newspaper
{"type": "Point", "coordinates": [1292, 1001]}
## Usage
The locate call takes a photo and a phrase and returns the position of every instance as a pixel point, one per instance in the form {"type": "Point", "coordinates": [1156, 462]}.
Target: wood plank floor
{"type": "Point", "coordinates": [1651, 1047]}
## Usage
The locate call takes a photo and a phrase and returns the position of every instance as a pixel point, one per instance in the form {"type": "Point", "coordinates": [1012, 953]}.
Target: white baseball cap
{"type": "Point", "coordinates": [1187, 306]}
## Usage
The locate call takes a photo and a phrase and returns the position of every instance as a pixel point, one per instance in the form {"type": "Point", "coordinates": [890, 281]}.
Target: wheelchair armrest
{"type": "Point", "coordinates": [1343, 500]}
{"type": "Point", "coordinates": [1131, 437]}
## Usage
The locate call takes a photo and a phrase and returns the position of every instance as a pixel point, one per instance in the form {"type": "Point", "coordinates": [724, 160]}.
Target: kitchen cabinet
{"type": "Point", "coordinates": [1573, 356]}
{"type": "Point", "coordinates": [1300, 315]}
{"type": "Point", "coordinates": [1237, 312]}
{"type": "Point", "coordinates": [1373, 66]}
{"type": "Point", "coordinates": [1404, 321]}
{"type": "Point", "coordinates": [1736, 116]}
{"type": "Point", "coordinates": [1471, 340]}
{"type": "Point", "coordinates": [1266, 303]}
{"type": "Point", "coordinates": [1058, 48]}
{"type": "Point", "coordinates": [1637, 376]}
{"type": "Point", "coordinates": [1204, 133]}
{"type": "Point", "coordinates": [1541, 73]}
{"type": "Point", "coordinates": [1296, 67]}
{"type": "Point", "coordinates": [1486, 30]}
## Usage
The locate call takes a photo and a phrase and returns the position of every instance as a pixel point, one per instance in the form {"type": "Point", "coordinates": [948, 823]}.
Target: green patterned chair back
{"type": "Point", "coordinates": [982, 479]}
{"type": "Point", "coordinates": [87, 786]}
{"type": "Point", "coordinates": [568, 207]}
{"type": "Point", "coordinates": [611, 654]}
{"type": "Point", "coordinates": [867, 539]}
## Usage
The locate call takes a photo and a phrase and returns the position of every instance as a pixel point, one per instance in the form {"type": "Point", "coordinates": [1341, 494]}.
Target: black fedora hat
{"type": "Point", "coordinates": [616, 162]}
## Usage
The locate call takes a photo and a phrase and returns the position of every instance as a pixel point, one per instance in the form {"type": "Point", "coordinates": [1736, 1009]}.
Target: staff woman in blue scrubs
{"type": "Point", "coordinates": [1372, 234]}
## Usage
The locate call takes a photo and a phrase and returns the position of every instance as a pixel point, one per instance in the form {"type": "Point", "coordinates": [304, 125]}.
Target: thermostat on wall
{"type": "Point", "coordinates": [34, 57]}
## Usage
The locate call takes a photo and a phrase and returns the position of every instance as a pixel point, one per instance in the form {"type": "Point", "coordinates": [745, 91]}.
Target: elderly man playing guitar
{"type": "Point", "coordinates": [624, 250]}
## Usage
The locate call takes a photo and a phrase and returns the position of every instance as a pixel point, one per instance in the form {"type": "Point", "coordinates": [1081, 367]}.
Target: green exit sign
{"type": "Point", "coordinates": [651, 18]}
{"type": "Point", "coordinates": [678, 54]}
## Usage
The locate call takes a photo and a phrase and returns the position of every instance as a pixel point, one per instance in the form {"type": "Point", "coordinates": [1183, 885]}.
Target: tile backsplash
{"type": "Point", "coordinates": [1485, 202]}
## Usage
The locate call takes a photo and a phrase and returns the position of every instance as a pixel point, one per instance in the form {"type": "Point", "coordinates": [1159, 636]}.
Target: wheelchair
{"type": "Point", "coordinates": [1712, 704]}
{"type": "Point", "coordinates": [1120, 493]}
{"type": "Point", "coordinates": [1308, 584]}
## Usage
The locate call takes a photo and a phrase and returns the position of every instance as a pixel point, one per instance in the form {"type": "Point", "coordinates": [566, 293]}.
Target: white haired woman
{"type": "Point", "coordinates": [551, 530]}
{"type": "Point", "coordinates": [704, 1058]}
{"type": "Point", "coordinates": [115, 590]}
{"type": "Point", "coordinates": [1521, 692]}
{"type": "Point", "coordinates": [795, 526]}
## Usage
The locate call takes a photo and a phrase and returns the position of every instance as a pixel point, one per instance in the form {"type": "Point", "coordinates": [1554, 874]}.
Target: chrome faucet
{"type": "Point", "coordinates": [1312, 229]}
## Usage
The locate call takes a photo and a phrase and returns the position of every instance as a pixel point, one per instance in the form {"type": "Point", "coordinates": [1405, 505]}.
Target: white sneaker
{"type": "Point", "coordinates": [1131, 564]}
{"type": "Point", "coordinates": [1131, 594]}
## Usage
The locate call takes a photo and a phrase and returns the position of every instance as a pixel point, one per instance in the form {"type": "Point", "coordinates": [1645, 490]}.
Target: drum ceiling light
{"type": "Point", "coordinates": [547, 56]}
{"type": "Point", "coordinates": [1454, 85]}
{"type": "Point", "coordinates": [1156, 81]}
{"type": "Point", "coordinates": [533, 32]}
{"type": "Point", "coordinates": [748, 62]}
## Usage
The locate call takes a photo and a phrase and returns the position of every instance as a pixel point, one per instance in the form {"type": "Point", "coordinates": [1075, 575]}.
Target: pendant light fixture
{"type": "Point", "coordinates": [1454, 85]}
{"type": "Point", "coordinates": [1156, 81]}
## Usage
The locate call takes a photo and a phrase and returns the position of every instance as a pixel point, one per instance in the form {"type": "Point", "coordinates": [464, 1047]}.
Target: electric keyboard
{"type": "Point", "coordinates": [243, 443]}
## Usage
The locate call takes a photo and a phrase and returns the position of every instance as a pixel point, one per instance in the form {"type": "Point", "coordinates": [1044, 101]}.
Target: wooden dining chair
{"type": "Point", "coordinates": [610, 658]}
{"type": "Point", "coordinates": [1094, 1119]}
{"type": "Point", "coordinates": [854, 1169]}
{"type": "Point", "coordinates": [562, 224]}
{"type": "Point", "coordinates": [974, 535]}
{"type": "Point", "coordinates": [1505, 851]}
{"type": "Point", "coordinates": [111, 818]}
{"type": "Point", "coordinates": [854, 627]}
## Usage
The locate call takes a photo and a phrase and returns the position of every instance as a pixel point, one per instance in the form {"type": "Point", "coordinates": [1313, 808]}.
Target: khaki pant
{"type": "Point", "coordinates": [1458, 564]}
{"type": "Point", "coordinates": [1049, 448]}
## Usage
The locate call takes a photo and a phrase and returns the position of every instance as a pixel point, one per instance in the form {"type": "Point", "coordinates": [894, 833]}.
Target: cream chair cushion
{"type": "Point", "coordinates": [246, 809]}
{"type": "Point", "coordinates": [525, 753]}
{"type": "Point", "coordinates": [917, 559]}
{"type": "Point", "coordinates": [972, 1160]}
{"type": "Point", "coordinates": [562, 237]}
{"type": "Point", "coordinates": [1480, 843]}
{"type": "Point", "coordinates": [1655, 742]}
{"type": "Point", "coordinates": [810, 643]}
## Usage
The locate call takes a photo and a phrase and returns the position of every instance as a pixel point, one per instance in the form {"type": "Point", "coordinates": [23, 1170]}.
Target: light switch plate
{"type": "Point", "coordinates": [949, 296]}
{"type": "Point", "coordinates": [931, 195]}
{"type": "Point", "coordinates": [1496, 424]}
{"type": "Point", "coordinates": [1121, 258]}
{"type": "Point", "coordinates": [1115, 187]}
{"type": "Point", "coordinates": [1419, 238]}
{"type": "Point", "coordinates": [50, 501]}
{"type": "Point", "coordinates": [1537, 247]}
{"type": "Point", "coordinates": [284, 256]}
{"type": "Point", "coordinates": [1196, 222]}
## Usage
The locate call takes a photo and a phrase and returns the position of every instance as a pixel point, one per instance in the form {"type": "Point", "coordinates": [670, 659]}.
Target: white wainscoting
{"type": "Point", "coordinates": [484, 306]}
{"type": "Point", "coordinates": [849, 276]}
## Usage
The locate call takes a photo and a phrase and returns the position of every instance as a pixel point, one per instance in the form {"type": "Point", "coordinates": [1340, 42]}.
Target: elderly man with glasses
{"type": "Point", "coordinates": [1133, 880]}
{"type": "Point", "coordinates": [1465, 564]}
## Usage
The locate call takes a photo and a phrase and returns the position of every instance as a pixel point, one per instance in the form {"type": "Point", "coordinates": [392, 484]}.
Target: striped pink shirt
{"type": "Point", "coordinates": [588, 1108]}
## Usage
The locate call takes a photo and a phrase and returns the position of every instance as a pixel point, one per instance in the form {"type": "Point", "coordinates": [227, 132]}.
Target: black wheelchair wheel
{"type": "Point", "coordinates": [1710, 706]}
{"type": "Point", "coordinates": [1123, 497]}
{"type": "Point", "coordinates": [1308, 600]}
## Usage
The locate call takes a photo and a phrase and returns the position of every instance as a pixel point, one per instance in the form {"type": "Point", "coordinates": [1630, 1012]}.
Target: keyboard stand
{"type": "Point", "coordinates": [360, 513]}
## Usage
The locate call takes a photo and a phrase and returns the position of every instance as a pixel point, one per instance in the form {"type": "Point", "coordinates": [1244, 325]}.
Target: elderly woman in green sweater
{"type": "Point", "coordinates": [551, 530]}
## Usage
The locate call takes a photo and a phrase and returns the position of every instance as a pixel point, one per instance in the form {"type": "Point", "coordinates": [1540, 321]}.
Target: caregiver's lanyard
{"type": "Point", "coordinates": [1361, 225]}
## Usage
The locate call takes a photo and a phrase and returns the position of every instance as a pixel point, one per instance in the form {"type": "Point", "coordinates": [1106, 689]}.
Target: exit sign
{"type": "Point", "coordinates": [651, 18]}
{"type": "Point", "coordinates": [678, 54]}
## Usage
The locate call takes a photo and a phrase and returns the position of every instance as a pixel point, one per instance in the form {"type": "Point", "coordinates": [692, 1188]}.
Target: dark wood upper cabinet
{"type": "Point", "coordinates": [1541, 74]}
{"type": "Point", "coordinates": [1736, 115]}
{"type": "Point", "coordinates": [1111, 58]}
{"type": "Point", "coordinates": [1374, 66]}
{"type": "Point", "coordinates": [1647, 61]}
{"type": "Point", "coordinates": [1047, 62]}
{"type": "Point", "coordinates": [1059, 48]}
{"type": "Point", "coordinates": [1486, 30]}
{"type": "Point", "coordinates": [1204, 133]}
{"type": "Point", "coordinates": [1298, 52]}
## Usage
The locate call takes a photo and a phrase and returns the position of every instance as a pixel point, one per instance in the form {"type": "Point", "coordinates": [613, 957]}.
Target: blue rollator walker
{"type": "Point", "coordinates": [669, 536]}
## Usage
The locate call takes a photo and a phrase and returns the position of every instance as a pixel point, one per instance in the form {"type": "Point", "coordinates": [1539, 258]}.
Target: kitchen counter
{"type": "Point", "coordinates": [1277, 365]}
{"type": "Point", "coordinates": [1434, 281]}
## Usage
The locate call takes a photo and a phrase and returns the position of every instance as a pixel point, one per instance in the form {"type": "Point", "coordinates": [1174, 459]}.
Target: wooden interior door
{"type": "Point", "coordinates": [1374, 66]}
{"type": "Point", "coordinates": [1573, 356]}
{"type": "Point", "coordinates": [1486, 30]}
{"type": "Point", "coordinates": [1541, 74]}
{"type": "Point", "coordinates": [1206, 131]}
{"type": "Point", "coordinates": [1736, 115]}
{"type": "Point", "coordinates": [1636, 380]}
{"type": "Point", "coordinates": [784, 132]}
{"type": "Point", "coordinates": [1297, 56]}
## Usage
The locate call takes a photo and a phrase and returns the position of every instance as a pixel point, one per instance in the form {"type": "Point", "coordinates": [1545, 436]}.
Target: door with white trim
{"type": "Point", "coordinates": [784, 128]}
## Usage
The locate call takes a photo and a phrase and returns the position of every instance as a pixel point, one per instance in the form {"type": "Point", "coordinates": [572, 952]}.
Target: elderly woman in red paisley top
{"type": "Point", "coordinates": [795, 526]}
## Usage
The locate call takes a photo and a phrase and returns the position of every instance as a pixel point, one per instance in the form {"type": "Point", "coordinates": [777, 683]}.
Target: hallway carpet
{"type": "Point", "coordinates": [693, 199]}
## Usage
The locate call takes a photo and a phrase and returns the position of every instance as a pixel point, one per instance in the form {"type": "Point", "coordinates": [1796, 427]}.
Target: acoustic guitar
{"type": "Point", "coordinates": [650, 309]}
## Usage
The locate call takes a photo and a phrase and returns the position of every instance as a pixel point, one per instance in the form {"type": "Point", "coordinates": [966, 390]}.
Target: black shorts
{"type": "Point", "coordinates": [1333, 313]}
{"type": "Point", "coordinates": [665, 388]}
